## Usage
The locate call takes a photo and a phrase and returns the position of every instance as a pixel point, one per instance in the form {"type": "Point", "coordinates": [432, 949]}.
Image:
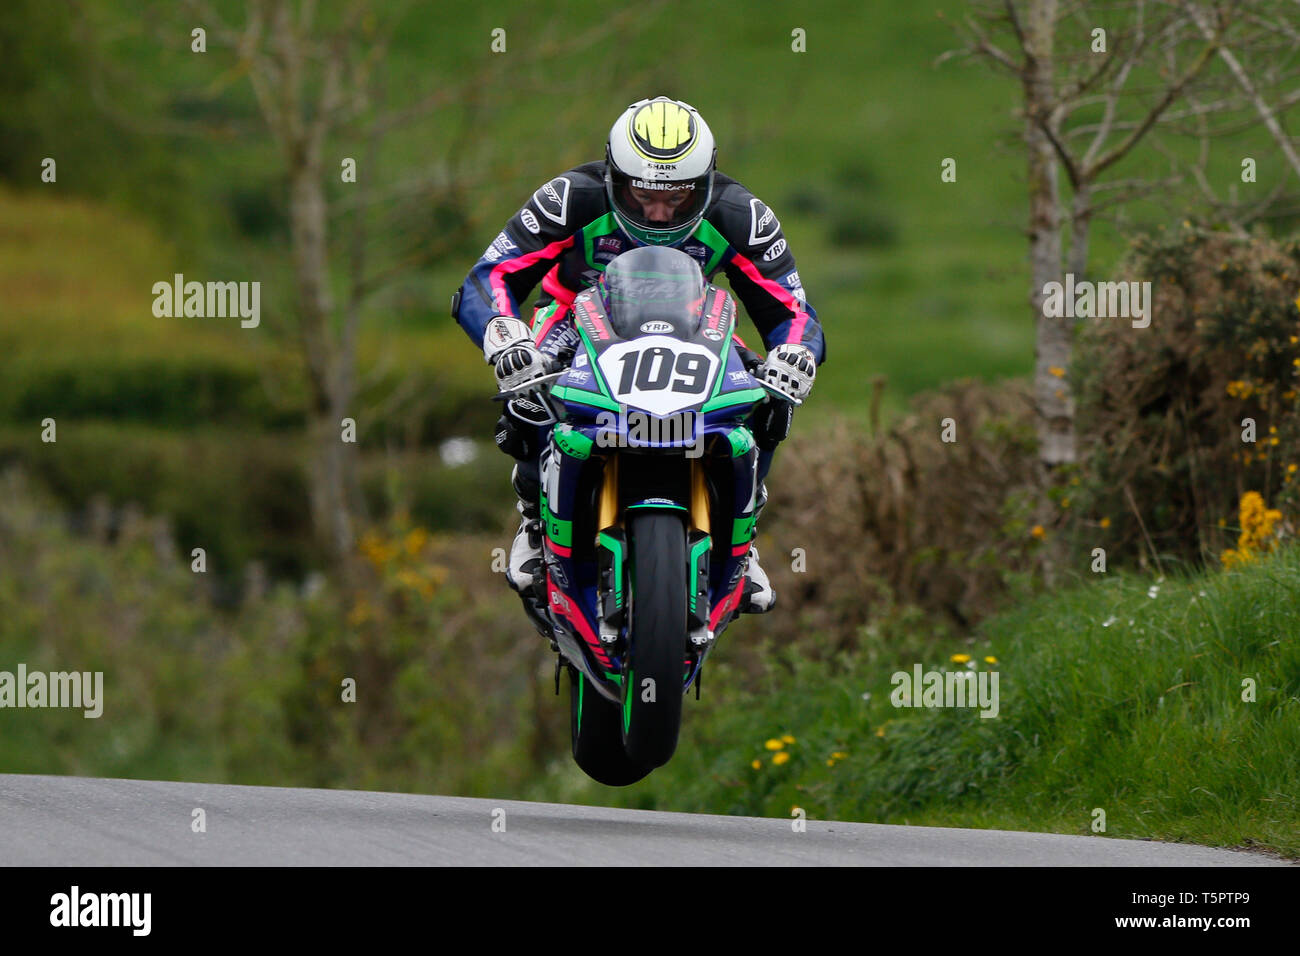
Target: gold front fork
{"type": "Point", "coordinates": [608, 512]}
{"type": "Point", "coordinates": [699, 497]}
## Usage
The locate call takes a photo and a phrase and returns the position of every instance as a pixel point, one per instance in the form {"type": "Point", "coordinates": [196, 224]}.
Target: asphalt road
{"type": "Point", "coordinates": [83, 821]}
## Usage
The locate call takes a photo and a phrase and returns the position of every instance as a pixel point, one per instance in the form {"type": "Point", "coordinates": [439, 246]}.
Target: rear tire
{"type": "Point", "coordinates": [596, 738]}
{"type": "Point", "coordinates": [655, 671]}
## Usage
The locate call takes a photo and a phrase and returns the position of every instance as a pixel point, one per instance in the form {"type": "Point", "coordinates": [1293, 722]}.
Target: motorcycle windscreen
{"type": "Point", "coordinates": [653, 290]}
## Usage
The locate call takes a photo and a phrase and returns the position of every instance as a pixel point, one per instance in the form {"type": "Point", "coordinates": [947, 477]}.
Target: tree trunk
{"type": "Point", "coordinates": [332, 471]}
{"type": "Point", "coordinates": [1052, 348]}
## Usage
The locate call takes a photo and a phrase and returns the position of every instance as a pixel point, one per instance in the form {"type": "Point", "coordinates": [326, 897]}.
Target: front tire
{"type": "Point", "coordinates": [595, 735]}
{"type": "Point", "coordinates": [654, 675]}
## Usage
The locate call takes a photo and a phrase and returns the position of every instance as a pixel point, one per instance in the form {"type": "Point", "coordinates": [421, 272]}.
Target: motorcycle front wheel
{"type": "Point", "coordinates": [654, 673]}
{"type": "Point", "coordinates": [596, 736]}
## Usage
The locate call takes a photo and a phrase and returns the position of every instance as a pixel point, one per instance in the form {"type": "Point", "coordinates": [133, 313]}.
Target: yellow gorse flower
{"type": "Point", "coordinates": [416, 539]}
{"type": "Point", "coordinates": [1258, 531]}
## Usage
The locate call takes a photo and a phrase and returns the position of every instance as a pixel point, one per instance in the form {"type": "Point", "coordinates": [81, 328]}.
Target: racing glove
{"type": "Point", "coordinates": [509, 347]}
{"type": "Point", "coordinates": [789, 370]}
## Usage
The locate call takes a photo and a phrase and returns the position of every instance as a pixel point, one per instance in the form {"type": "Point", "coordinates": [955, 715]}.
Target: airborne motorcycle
{"type": "Point", "coordinates": [648, 492]}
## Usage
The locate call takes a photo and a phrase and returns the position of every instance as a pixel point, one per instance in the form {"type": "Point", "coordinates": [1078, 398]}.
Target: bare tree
{"type": "Point", "coordinates": [317, 73]}
{"type": "Point", "coordinates": [1097, 81]}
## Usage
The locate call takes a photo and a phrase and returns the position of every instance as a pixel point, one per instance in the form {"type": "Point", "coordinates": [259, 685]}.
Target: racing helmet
{"type": "Point", "coordinates": [660, 146]}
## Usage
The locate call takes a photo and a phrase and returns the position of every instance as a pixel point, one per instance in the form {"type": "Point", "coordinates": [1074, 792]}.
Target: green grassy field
{"type": "Point", "coordinates": [1171, 705]}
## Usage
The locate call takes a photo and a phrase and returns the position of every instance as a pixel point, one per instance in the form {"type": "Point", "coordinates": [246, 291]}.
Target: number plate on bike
{"type": "Point", "coordinates": [658, 373]}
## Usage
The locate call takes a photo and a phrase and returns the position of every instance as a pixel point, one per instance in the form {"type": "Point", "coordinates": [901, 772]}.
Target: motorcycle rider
{"type": "Point", "coordinates": [657, 185]}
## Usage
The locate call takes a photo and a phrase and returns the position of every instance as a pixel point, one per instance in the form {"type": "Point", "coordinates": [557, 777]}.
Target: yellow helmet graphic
{"type": "Point", "coordinates": [663, 130]}
{"type": "Point", "coordinates": [659, 168]}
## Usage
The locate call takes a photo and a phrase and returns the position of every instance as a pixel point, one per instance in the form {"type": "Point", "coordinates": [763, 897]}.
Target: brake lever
{"type": "Point", "coordinates": [538, 391]}
{"type": "Point", "coordinates": [774, 392]}
{"type": "Point", "coordinates": [528, 388]}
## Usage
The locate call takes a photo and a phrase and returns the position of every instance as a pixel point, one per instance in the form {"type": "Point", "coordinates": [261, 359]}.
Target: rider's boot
{"type": "Point", "coordinates": [525, 569]}
{"type": "Point", "coordinates": [758, 596]}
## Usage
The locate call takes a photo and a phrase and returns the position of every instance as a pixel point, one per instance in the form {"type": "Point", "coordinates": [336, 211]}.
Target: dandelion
{"type": "Point", "coordinates": [1056, 371]}
{"type": "Point", "coordinates": [786, 738]}
{"type": "Point", "coordinates": [959, 658]}
{"type": "Point", "coordinates": [839, 754]}
{"type": "Point", "coordinates": [1105, 522]}
{"type": "Point", "coordinates": [990, 659]}
{"type": "Point", "coordinates": [778, 759]}
{"type": "Point", "coordinates": [880, 731]}
{"type": "Point", "coordinates": [830, 762]}
{"type": "Point", "coordinates": [774, 744]}
{"type": "Point", "coordinates": [1291, 469]}
{"type": "Point", "coordinates": [1038, 532]}
{"type": "Point", "coordinates": [756, 764]}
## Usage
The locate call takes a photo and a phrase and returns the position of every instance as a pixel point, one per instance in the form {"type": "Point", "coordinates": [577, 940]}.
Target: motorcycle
{"type": "Point", "coordinates": [648, 494]}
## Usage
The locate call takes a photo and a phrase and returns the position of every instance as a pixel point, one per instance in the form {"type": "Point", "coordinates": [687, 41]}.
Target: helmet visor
{"type": "Point", "coordinates": [659, 206]}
